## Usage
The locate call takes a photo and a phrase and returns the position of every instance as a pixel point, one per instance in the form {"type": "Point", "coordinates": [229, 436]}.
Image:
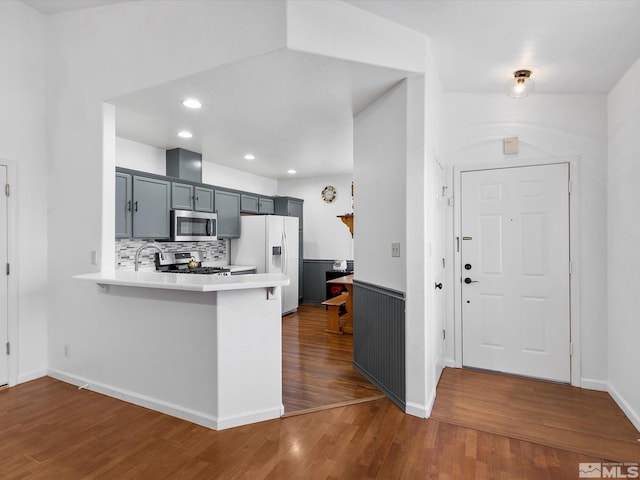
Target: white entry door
{"type": "Point", "coordinates": [515, 271]}
{"type": "Point", "coordinates": [4, 292]}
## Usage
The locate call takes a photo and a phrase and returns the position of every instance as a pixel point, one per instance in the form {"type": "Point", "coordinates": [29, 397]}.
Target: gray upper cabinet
{"type": "Point", "coordinates": [181, 196]}
{"type": "Point", "coordinates": [124, 205]}
{"type": "Point", "coordinates": [228, 208]}
{"type": "Point", "coordinates": [151, 205]}
{"type": "Point", "coordinates": [204, 199]}
{"type": "Point", "coordinates": [255, 204]}
{"type": "Point", "coordinates": [249, 203]}
{"type": "Point", "coordinates": [266, 206]}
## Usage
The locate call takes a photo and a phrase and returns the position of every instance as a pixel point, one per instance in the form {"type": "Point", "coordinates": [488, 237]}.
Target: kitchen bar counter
{"type": "Point", "coordinates": [204, 348]}
{"type": "Point", "coordinates": [183, 281]}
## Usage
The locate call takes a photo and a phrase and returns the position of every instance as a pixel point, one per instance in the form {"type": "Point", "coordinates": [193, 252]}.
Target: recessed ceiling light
{"type": "Point", "coordinates": [191, 103]}
{"type": "Point", "coordinates": [291, 171]}
{"type": "Point", "coordinates": [185, 134]}
{"type": "Point", "coordinates": [249, 156]}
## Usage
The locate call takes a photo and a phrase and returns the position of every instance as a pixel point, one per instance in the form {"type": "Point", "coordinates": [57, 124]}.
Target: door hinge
{"type": "Point", "coordinates": [8, 269]}
{"type": "Point", "coordinates": [571, 349]}
{"type": "Point", "coordinates": [8, 348]}
{"type": "Point", "coordinates": [570, 187]}
{"type": "Point", "coordinates": [444, 334]}
{"type": "Point", "coordinates": [570, 268]}
{"type": "Point", "coordinates": [451, 201]}
{"type": "Point", "coordinates": [7, 189]}
{"type": "Point", "coordinates": [443, 263]}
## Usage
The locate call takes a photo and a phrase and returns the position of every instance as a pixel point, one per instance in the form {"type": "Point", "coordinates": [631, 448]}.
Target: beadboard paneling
{"type": "Point", "coordinates": [379, 338]}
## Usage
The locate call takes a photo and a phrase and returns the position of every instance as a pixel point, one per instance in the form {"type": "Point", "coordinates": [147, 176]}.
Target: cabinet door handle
{"type": "Point", "coordinates": [135, 206]}
{"type": "Point", "coordinates": [129, 206]}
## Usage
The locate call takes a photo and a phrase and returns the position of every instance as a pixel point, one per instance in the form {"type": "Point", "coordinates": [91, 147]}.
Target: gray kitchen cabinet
{"type": "Point", "coordinates": [227, 206]}
{"type": "Point", "coordinates": [151, 205]}
{"type": "Point", "coordinates": [294, 207]}
{"type": "Point", "coordinates": [266, 206]}
{"type": "Point", "coordinates": [181, 196]}
{"type": "Point", "coordinates": [204, 201]}
{"type": "Point", "coordinates": [124, 205]}
{"type": "Point", "coordinates": [249, 203]}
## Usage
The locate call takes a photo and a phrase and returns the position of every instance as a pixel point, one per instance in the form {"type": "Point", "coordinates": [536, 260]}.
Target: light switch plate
{"type": "Point", "coordinates": [395, 249]}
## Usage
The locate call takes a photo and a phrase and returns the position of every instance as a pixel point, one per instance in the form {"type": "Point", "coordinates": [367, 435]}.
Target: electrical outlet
{"type": "Point", "coordinates": [94, 257]}
{"type": "Point", "coordinates": [67, 351]}
{"type": "Point", "coordinates": [395, 249]}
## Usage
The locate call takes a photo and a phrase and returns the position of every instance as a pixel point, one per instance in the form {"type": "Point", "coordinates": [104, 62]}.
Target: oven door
{"type": "Point", "coordinates": [189, 226]}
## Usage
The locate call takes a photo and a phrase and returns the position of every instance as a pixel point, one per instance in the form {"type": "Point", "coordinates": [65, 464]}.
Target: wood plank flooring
{"type": "Point", "coordinates": [317, 370]}
{"type": "Point", "coordinates": [54, 431]}
{"type": "Point", "coordinates": [559, 416]}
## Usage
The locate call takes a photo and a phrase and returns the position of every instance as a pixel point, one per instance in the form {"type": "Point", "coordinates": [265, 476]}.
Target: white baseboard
{"type": "Point", "coordinates": [591, 384]}
{"type": "Point", "coordinates": [631, 414]}
{"type": "Point", "coordinates": [194, 416]}
{"type": "Point", "coordinates": [416, 410]}
{"type": "Point", "coordinates": [27, 377]}
{"type": "Point", "coordinates": [421, 411]}
{"type": "Point", "coordinates": [450, 362]}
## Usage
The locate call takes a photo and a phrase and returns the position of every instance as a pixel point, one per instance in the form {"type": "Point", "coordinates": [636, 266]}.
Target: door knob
{"type": "Point", "coordinates": [439, 285]}
{"type": "Point", "coordinates": [468, 281]}
{"type": "Point", "coordinates": [467, 266]}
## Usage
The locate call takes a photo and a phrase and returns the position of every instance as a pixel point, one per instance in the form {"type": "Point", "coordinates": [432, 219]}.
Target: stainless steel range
{"type": "Point", "coordinates": [187, 262]}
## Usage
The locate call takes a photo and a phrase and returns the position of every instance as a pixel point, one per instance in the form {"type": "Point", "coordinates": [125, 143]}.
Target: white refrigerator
{"type": "Point", "coordinates": [270, 242]}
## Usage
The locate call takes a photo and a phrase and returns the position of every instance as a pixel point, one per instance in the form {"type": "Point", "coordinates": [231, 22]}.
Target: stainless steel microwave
{"type": "Point", "coordinates": [188, 226]}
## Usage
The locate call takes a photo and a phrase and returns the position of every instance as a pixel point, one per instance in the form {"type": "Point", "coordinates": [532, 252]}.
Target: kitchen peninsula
{"type": "Point", "coordinates": [200, 347]}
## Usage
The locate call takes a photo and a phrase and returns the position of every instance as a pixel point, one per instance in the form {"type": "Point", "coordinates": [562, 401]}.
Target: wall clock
{"type": "Point", "coordinates": [329, 194]}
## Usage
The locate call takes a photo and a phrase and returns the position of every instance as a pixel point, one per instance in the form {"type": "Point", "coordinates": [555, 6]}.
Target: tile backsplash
{"type": "Point", "coordinates": [126, 251]}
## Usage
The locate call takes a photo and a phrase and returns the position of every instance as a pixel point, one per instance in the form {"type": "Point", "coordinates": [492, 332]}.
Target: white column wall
{"type": "Point", "coordinates": [623, 241]}
{"type": "Point", "coordinates": [547, 126]}
{"type": "Point", "coordinates": [23, 146]}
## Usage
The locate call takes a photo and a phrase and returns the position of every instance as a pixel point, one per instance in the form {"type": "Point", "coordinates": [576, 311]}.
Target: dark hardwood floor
{"type": "Point", "coordinates": [559, 416]}
{"type": "Point", "coordinates": [54, 431]}
{"type": "Point", "coordinates": [317, 370]}
{"type": "Point", "coordinates": [483, 426]}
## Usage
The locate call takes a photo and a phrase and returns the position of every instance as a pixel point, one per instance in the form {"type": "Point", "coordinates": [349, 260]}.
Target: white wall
{"type": "Point", "coordinates": [380, 179]}
{"type": "Point", "coordinates": [623, 241]}
{"type": "Point", "coordinates": [325, 236]}
{"type": "Point", "coordinates": [23, 145]}
{"type": "Point", "coordinates": [547, 126]}
{"type": "Point", "coordinates": [147, 158]}
{"type": "Point", "coordinates": [215, 174]}
{"type": "Point", "coordinates": [138, 156]}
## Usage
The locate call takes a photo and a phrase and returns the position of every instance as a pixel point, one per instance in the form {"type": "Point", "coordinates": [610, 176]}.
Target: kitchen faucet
{"type": "Point", "coordinates": [146, 245]}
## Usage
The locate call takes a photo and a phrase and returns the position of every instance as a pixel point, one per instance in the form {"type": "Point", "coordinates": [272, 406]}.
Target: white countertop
{"type": "Point", "coordinates": [188, 282]}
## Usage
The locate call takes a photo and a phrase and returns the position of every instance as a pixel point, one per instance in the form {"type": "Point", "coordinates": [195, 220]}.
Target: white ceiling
{"type": "Point", "coordinates": [291, 110]}
{"type": "Point", "coordinates": [572, 46]}
{"type": "Point", "coordinates": [295, 111]}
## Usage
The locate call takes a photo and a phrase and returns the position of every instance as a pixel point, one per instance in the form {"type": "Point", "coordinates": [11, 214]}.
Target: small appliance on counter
{"type": "Point", "coordinates": [340, 265]}
{"type": "Point", "coordinates": [187, 262]}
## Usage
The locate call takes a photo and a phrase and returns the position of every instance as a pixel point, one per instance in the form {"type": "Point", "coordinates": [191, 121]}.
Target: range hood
{"type": "Point", "coordinates": [184, 164]}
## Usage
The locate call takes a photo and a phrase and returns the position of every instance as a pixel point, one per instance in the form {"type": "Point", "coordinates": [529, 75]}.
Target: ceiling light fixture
{"type": "Point", "coordinates": [521, 85]}
{"type": "Point", "coordinates": [191, 103]}
{"type": "Point", "coordinates": [249, 156]}
{"type": "Point", "coordinates": [291, 171]}
{"type": "Point", "coordinates": [185, 134]}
